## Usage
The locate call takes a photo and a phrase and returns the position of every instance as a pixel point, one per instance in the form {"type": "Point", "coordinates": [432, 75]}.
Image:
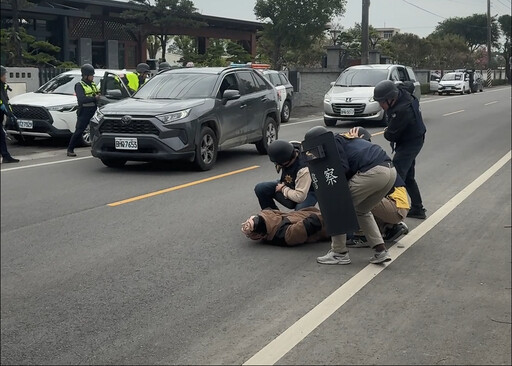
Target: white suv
{"type": "Point", "coordinates": [351, 95]}
{"type": "Point", "coordinates": [50, 112]}
{"type": "Point", "coordinates": [454, 82]}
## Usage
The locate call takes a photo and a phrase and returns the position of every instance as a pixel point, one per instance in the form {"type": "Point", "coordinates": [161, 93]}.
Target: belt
{"type": "Point", "coordinates": [388, 164]}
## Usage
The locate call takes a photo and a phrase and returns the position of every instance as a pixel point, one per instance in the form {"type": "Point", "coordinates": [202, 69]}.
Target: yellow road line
{"type": "Point", "coordinates": [448, 114]}
{"type": "Point", "coordinates": [377, 133]}
{"type": "Point", "coordinates": [175, 188]}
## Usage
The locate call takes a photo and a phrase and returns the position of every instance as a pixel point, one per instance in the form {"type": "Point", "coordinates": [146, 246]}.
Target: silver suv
{"type": "Point", "coordinates": [350, 97]}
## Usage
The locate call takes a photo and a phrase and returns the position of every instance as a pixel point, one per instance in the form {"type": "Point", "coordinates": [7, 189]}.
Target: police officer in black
{"type": "Point", "coordinates": [406, 132]}
{"type": "Point", "coordinates": [294, 189]}
{"type": "Point", "coordinates": [5, 110]}
{"type": "Point", "coordinates": [87, 94]}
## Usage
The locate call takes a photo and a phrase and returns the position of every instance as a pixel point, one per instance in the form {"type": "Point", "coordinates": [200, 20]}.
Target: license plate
{"type": "Point", "coordinates": [347, 111]}
{"type": "Point", "coordinates": [23, 123]}
{"type": "Point", "coordinates": [126, 143]}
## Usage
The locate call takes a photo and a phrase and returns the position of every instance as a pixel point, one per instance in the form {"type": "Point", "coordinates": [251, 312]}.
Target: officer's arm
{"type": "Point", "coordinates": [80, 95]}
{"type": "Point", "coordinates": [342, 155]}
{"type": "Point", "coordinates": [302, 184]}
{"type": "Point", "coordinates": [398, 124]}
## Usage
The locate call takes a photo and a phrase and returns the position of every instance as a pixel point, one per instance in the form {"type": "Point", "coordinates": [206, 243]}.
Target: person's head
{"type": "Point", "coordinates": [315, 131]}
{"type": "Point", "coordinates": [282, 153]}
{"type": "Point", "coordinates": [87, 72]}
{"type": "Point", "coordinates": [254, 227]}
{"type": "Point", "coordinates": [164, 66]}
{"type": "Point", "coordinates": [3, 74]}
{"type": "Point", "coordinates": [385, 93]}
{"type": "Point", "coordinates": [143, 69]}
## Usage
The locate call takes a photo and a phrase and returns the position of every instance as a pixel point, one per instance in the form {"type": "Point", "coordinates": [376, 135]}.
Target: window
{"type": "Point", "coordinates": [178, 86]}
{"type": "Point", "coordinates": [248, 83]}
{"type": "Point", "coordinates": [274, 79]}
{"type": "Point", "coordinates": [114, 82]}
{"type": "Point", "coordinates": [284, 79]}
{"type": "Point", "coordinates": [260, 82]}
{"type": "Point", "coordinates": [229, 82]}
{"type": "Point", "coordinates": [394, 75]}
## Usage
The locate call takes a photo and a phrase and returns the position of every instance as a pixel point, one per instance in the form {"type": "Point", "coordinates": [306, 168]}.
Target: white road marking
{"type": "Point", "coordinates": [68, 160]}
{"type": "Point", "coordinates": [287, 340]}
{"type": "Point", "coordinates": [491, 102]}
{"type": "Point", "coordinates": [449, 114]}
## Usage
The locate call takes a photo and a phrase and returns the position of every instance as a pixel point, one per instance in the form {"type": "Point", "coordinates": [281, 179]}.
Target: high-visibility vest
{"type": "Point", "coordinates": [133, 81]}
{"type": "Point", "coordinates": [1, 101]}
{"type": "Point", "coordinates": [89, 91]}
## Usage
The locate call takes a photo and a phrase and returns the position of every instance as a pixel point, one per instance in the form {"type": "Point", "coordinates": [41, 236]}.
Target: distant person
{"type": "Point", "coordinates": [5, 110]}
{"type": "Point", "coordinates": [293, 190]}
{"type": "Point", "coordinates": [87, 95]}
{"type": "Point", "coordinates": [163, 66]}
{"type": "Point", "coordinates": [406, 132]}
{"type": "Point", "coordinates": [138, 78]}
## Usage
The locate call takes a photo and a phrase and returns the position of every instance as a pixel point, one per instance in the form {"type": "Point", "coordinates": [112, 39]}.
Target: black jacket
{"type": "Point", "coordinates": [405, 123]}
{"type": "Point", "coordinates": [5, 99]}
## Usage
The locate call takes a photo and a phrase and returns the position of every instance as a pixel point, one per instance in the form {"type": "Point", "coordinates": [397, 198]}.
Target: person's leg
{"type": "Point", "coordinates": [412, 188]}
{"type": "Point", "coordinates": [338, 253]}
{"type": "Point", "coordinates": [3, 141]}
{"type": "Point", "coordinates": [81, 124]}
{"type": "Point", "coordinates": [386, 213]}
{"type": "Point", "coordinates": [405, 161]}
{"type": "Point", "coordinates": [265, 192]}
{"type": "Point", "coordinates": [310, 201]}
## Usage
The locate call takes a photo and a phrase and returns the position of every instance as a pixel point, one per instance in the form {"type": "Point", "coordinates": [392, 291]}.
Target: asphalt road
{"type": "Point", "coordinates": [170, 279]}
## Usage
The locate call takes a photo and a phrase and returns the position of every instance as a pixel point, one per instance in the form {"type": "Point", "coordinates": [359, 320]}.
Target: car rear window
{"type": "Point", "coordinates": [178, 86]}
{"type": "Point", "coordinates": [64, 84]}
{"type": "Point", "coordinates": [361, 77]}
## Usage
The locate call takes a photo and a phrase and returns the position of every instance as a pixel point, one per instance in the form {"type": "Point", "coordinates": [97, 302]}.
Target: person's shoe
{"type": "Point", "coordinates": [71, 153]}
{"type": "Point", "coordinates": [10, 159]}
{"type": "Point", "coordinates": [417, 213]}
{"type": "Point", "coordinates": [380, 257]}
{"type": "Point", "coordinates": [334, 258]}
{"type": "Point", "coordinates": [396, 231]}
{"type": "Point", "coordinates": [358, 242]}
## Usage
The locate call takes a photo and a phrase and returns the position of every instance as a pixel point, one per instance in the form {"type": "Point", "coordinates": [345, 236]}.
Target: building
{"type": "Point", "coordinates": [93, 31]}
{"type": "Point", "coordinates": [387, 33]}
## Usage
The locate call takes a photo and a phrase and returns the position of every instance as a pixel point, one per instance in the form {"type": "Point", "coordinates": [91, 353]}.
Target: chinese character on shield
{"type": "Point", "coordinates": [330, 178]}
{"type": "Point", "coordinates": [314, 180]}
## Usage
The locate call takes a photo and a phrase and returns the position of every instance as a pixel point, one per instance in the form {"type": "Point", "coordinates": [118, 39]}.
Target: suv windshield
{"type": "Point", "coordinates": [178, 86]}
{"type": "Point", "coordinates": [361, 77]}
{"type": "Point", "coordinates": [64, 84]}
{"type": "Point", "coordinates": [454, 76]}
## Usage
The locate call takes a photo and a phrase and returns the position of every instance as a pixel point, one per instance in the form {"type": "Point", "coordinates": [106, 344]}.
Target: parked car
{"type": "Point", "coordinates": [50, 112]}
{"type": "Point", "coordinates": [454, 82]}
{"type": "Point", "coordinates": [351, 95]}
{"type": "Point", "coordinates": [188, 114]}
{"type": "Point", "coordinates": [284, 91]}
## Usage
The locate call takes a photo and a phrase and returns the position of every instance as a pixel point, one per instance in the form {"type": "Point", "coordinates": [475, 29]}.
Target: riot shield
{"type": "Point", "coordinates": [330, 184]}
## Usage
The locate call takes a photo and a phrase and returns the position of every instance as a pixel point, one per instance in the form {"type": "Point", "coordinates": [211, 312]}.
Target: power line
{"type": "Point", "coordinates": [505, 5]}
{"type": "Point", "coordinates": [425, 10]}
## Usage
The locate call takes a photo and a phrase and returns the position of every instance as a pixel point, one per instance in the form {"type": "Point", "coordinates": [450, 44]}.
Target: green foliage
{"type": "Point", "coordinates": [294, 24]}
{"type": "Point", "coordinates": [473, 29]}
{"type": "Point", "coordinates": [236, 53]}
{"type": "Point", "coordinates": [409, 49]}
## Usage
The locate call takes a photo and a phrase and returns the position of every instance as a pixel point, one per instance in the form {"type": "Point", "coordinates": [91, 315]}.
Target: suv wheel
{"type": "Point", "coordinates": [285, 113]}
{"type": "Point", "coordinates": [206, 149]}
{"type": "Point", "coordinates": [330, 122]}
{"type": "Point", "coordinates": [86, 137]}
{"type": "Point", "coordinates": [269, 135]}
{"type": "Point", "coordinates": [114, 163]}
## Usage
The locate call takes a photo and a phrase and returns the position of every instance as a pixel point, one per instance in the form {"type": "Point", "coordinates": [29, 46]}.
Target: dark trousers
{"type": "Point", "coordinates": [266, 193]}
{"type": "Point", "coordinates": [405, 162]}
{"type": "Point", "coordinates": [3, 138]}
{"type": "Point", "coordinates": [81, 124]}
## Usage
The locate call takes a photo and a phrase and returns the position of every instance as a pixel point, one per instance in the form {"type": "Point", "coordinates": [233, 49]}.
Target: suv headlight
{"type": "Point", "coordinates": [327, 99]}
{"type": "Point", "coordinates": [174, 116]}
{"type": "Point", "coordinates": [63, 108]}
{"type": "Point", "coordinates": [371, 99]}
{"type": "Point", "coordinates": [98, 116]}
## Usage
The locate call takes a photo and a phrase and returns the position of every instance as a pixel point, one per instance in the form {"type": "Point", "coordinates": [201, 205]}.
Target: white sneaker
{"type": "Point", "coordinates": [379, 257]}
{"type": "Point", "coordinates": [334, 258]}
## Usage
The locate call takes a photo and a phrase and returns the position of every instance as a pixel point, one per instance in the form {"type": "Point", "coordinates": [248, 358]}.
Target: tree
{"type": "Point", "coordinates": [294, 24]}
{"type": "Point", "coordinates": [163, 16]}
{"type": "Point", "coordinates": [447, 52]}
{"type": "Point", "coordinates": [14, 31]}
{"type": "Point", "coordinates": [153, 47]}
{"type": "Point", "coordinates": [472, 28]}
{"type": "Point", "coordinates": [236, 53]}
{"type": "Point", "coordinates": [352, 40]}
{"type": "Point", "coordinates": [409, 49]}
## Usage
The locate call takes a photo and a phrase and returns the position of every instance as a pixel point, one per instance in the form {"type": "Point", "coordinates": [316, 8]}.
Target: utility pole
{"type": "Point", "coordinates": [365, 32]}
{"type": "Point", "coordinates": [489, 42]}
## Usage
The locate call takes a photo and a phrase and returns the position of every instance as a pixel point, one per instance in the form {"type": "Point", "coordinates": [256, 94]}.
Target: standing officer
{"type": "Point", "coordinates": [87, 95]}
{"type": "Point", "coordinates": [5, 110]}
{"type": "Point", "coordinates": [294, 189]}
{"type": "Point", "coordinates": [138, 78]}
{"type": "Point", "coordinates": [406, 132]}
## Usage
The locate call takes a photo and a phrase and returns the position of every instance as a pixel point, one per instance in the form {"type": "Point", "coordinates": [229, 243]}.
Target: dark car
{"type": "Point", "coordinates": [188, 114]}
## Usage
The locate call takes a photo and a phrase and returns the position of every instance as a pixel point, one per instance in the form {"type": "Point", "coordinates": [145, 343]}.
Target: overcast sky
{"type": "Point", "coordinates": [410, 16]}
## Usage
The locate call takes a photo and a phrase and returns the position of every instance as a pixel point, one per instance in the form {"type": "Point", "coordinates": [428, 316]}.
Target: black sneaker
{"type": "Point", "coordinates": [417, 213]}
{"type": "Point", "coordinates": [71, 153]}
{"type": "Point", "coordinates": [396, 231]}
{"type": "Point", "coordinates": [10, 159]}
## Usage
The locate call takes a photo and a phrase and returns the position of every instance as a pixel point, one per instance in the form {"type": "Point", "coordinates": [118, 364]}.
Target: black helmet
{"type": "Point", "coordinates": [385, 90]}
{"type": "Point", "coordinates": [142, 67]}
{"type": "Point", "coordinates": [281, 151]}
{"type": "Point", "coordinates": [3, 70]}
{"type": "Point", "coordinates": [364, 134]}
{"type": "Point", "coordinates": [87, 70]}
{"type": "Point", "coordinates": [163, 66]}
{"type": "Point", "coordinates": [315, 131]}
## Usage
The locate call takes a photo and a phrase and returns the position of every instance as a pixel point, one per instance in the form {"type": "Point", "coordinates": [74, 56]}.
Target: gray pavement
{"type": "Point", "coordinates": [170, 279]}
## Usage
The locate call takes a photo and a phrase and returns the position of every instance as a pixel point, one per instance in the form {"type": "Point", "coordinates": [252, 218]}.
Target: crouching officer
{"type": "Point", "coordinates": [87, 94]}
{"type": "Point", "coordinates": [370, 175]}
{"type": "Point", "coordinates": [138, 78]}
{"type": "Point", "coordinates": [406, 132]}
{"type": "Point", "coordinates": [293, 190]}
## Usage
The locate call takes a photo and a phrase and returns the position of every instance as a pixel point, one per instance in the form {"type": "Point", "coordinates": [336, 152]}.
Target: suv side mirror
{"type": "Point", "coordinates": [332, 83]}
{"type": "Point", "coordinates": [230, 94]}
{"type": "Point", "coordinates": [114, 94]}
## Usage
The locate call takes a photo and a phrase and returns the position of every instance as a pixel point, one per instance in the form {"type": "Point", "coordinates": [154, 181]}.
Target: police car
{"type": "Point", "coordinates": [50, 112]}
